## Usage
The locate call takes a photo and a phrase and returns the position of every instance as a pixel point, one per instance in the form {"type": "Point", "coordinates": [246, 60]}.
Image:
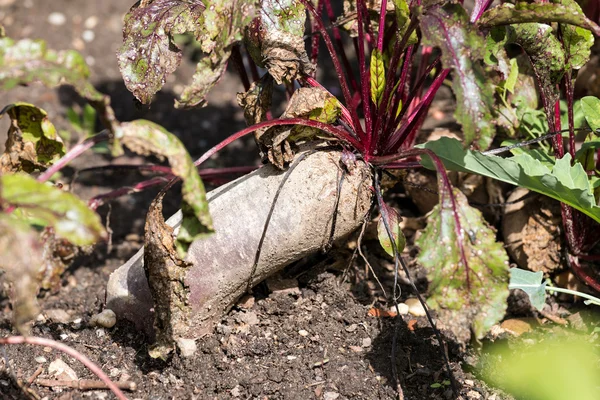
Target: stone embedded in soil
{"type": "Point", "coordinates": [57, 19]}
{"type": "Point", "coordinates": [415, 307]}
{"type": "Point", "coordinates": [187, 347]}
{"type": "Point", "coordinates": [517, 326]}
{"type": "Point", "coordinates": [106, 319]}
{"type": "Point", "coordinates": [58, 315]}
{"type": "Point", "coordinates": [61, 370]}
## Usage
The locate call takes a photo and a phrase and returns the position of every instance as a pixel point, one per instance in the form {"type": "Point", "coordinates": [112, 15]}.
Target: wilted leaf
{"type": "Point", "coordinates": [44, 204]}
{"type": "Point", "coordinates": [393, 221]}
{"type": "Point", "coordinates": [146, 137]}
{"type": "Point", "coordinates": [27, 61]}
{"type": "Point", "coordinates": [312, 103]}
{"type": "Point", "coordinates": [276, 40]}
{"type": "Point", "coordinates": [223, 24]}
{"type": "Point", "coordinates": [590, 106]}
{"type": "Point", "coordinates": [377, 76]}
{"type": "Point", "coordinates": [531, 283]}
{"type": "Point", "coordinates": [21, 257]}
{"type": "Point", "coordinates": [256, 102]}
{"type": "Point", "coordinates": [449, 29]}
{"type": "Point", "coordinates": [467, 268]}
{"type": "Point", "coordinates": [32, 139]}
{"type": "Point", "coordinates": [563, 182]}
{"type": "Point", "coordinates": [507, 14]}
{"type": "Point", "coordinates": [148, 55]}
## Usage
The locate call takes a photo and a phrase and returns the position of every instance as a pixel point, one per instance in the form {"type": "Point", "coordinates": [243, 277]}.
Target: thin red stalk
{"type": "Point", "coordinates": [334, 58]}
{"type": "Point", "coordinates": [365, 79]}
{"type": "Point", "coordinates": [99, 200]}
{"type": "Point", "coordinates": [142, 168]}
{"type": "Point", "coordinates": [558, 141]}
{"type": "Point", "coordinates": [425, 53]}
{"type": "Point", "coordinates": [340, 46]}
{"type": "Point", "coordinates": [480, 7]}
{"type": "Point", "coordinates": [581, 274]}
{"type": "Point", "coordinates": [569, 93]}
{"type": "Point", "coordinates": [337, 132]}
{"type": "Point", "coordinates": [75, 152]}
{"type": "Point", "coordinates": [346, 116]}
{"type": "Point", "coordinates": [401, 134]}
{"type": "Point", "coordinates": [314, 44]}
{"type": "Point", "coordinates": [381, 32]}
{"type": "Point", "coordinates": [70, 351]}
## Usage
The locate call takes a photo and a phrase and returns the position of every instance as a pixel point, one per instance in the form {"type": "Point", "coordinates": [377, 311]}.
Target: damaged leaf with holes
{"type": "Point", "coordinates": [448, 28]}
{"type": "Point", "coordinates": [466, 267]}
{"type": "Point", "coordinates": [32, 143]}
{"type": "Point", "coordinates": [147, 138]}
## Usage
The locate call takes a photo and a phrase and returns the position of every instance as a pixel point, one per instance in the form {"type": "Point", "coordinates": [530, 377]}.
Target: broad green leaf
{"type": "Point", "coordinates": [552, 368]}
{"type": "Point", "coordinates": [531, 283]}
{"type": "Point", "coordinates": [449, 29]}
{"type": "Point", "coordinates": [148, 55]}
{"type": "Point", "coordinates": [275, 40]}
{"type": "Point", "coordinates": [466, 267]}
{"type": "Point", "coordinates": [393, 221]}
{"type": "Point", "coordinates": [146, 137]}
{"type": "Point", "coordinates": [402, 12]}
{"type": "Point", "coordinates": [590, 106]}
{"type": "Point", "coordinates": [377, 76]}
{"type": "Point", "coordinates": [69, 216]}
{"type": "Point", "coordinates": [26, 61]}
{"type": "Point", "coordinates": [222, 26]}
{"type": "Point", "coordinates": [577, 41]}
{"type": "Point", "coordinates": [522, 12]}
{"type": "Point", "coordinates": [563, 182]}
{"type": "Point", "coordinates": [33, 141]}
{"type": "Point", "coordinates": [21, 258]}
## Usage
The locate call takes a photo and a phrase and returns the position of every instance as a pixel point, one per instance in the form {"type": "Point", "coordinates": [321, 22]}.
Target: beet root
{"type": "Point", "coordinates": [220, 268]}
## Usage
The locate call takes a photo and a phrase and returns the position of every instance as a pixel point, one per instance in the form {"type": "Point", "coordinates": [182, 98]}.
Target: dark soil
{"type": "Point", "coordinates": [314, 340]}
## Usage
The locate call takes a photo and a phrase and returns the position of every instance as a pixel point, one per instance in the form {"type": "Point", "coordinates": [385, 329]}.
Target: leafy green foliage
{"type": "Point", "coordinates": [562, 181]}
{"type": "Point", "coordinates": [467, 271]}
{"type": "Point", "coordinates": [522, 12]}
{"type": "Point", "coordinates": [146, 137]}
{"type": "Point", "coordinates": [377, 76]}
{"type": "Point", "coordinates": [448, 28]}
{"type": "Point", "coordinates": [393, 220]}
{"type": "Point", "coordinates": [33, 142]}
{"type": "Point", "coordinates": [577, 41]}
{"type": "Point", "coordinates": [26, 61]}
{"type": "Point", "coordinates": [531, 283]}
{"type": "Point", "coordinates": [590, 107]}
{"type": "Point", "coordinates": [44, 204]}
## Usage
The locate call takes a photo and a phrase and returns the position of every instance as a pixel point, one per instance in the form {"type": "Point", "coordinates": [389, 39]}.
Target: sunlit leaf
{"type": "Point", "coordinates": [590, 106]}
{"type": "Point", "coordinates": [69, 216]}
{"type": "Point", "coordinates": [32, 139]}
{"type": "Point", "coordinates": [466, 267]}
{"type": "Point", "coordinates": [393, 221]}
{"type": "Point", "coordinates": [563, 182]}
{"type": "Point", "coordinates": [462, 46]}
{"type": "Point", "coordinates": [146, 137]}
{"type": "Point", "coordinates": [531, 283]}
{"type": "Point", "coordinates": [377, 76]}
{"type": "Point", "coordinates": [522, 12]}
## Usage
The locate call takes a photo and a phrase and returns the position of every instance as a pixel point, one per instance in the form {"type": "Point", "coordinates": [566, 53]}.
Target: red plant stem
{"type": "Point", "coordinates": [314, 44]}
{"type": "Point", "coordinates": [70, 351]}
{"type": "Point", "coordinates": [381, 34]}
{"type": "Point", "coordinates": [571, 119]}
{"type": "Point", "coordinates": [558, 141]}
{"type": "Point", "coordinates": [365, 79]}
{"type": "Point", "coordinates": [99, 200]}
{"type": "Point", "coordinates": [75, 152]}
{"type": "Point", "coordinates": [334, 58]}
{"type": "Point", "coordinates": [340, 46]}
{"type": "Point", "coordinates": [425, 53]}
{"type": "Point", "coordinates": [346, 116]}
{"type": "Point", "coordinates": [238, 62]}
{"type": "Point", "coordinates": [336, 132]}
{"type": "Point", "coordinates": [581, 274]}
{"type": "Point", "coordinates": [480, 7]}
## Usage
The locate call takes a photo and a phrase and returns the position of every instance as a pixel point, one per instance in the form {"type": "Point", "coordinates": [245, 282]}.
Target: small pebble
{"type": "Point", "coordinates": [58, 315]}
{"type": "Point", "coordinates": [473, 395]}
{"type": "Point", "coordinates": [330, 395]}
{"type": "Point", "coordinates": [61, 370]}
{"type": "Point", "coordinates": [57, 19]}
{"type": "Point", "coordinates": [415, 308]}
{"type": "Point", "coordinates": [100, 332]}
{"type": "Point", "coordinates": [187, 347]}
{"type": "Point", "coordinates": [402, 307]}
{"type": "Point", "coordinates": [356, 349]}
{"type": "Point", "coordinates": [246, 302]}
{"type": "Point", "coordinates": [236, 391]}
{"type": "Point", "coordinates": [291, 358]}
{"type": "Point", "coordinates": [88, 35]}
{"type": "Point", "coordinates": [114, 372]}
{"type": "Point", "coordinates": [40, 359]}
{"type": "Point", "coordinates": [91, 22]}
{"type": "Point", "coordinates": [106, 319]}
{"type": "Point", "coordinates": [366, 342]}
{"type": "Point", "coordinates": [303, 333]}
{"type": "Point", "coordinates": [351, 328]}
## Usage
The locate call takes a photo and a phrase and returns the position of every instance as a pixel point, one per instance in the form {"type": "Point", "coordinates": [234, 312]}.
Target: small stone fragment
{"type": "Point", "coordinates": [40, 359]}
{"type": "Point", "coordinates": [249, 318]}
{"type": "Point", "coordinates": [280, 286]}
{"type": "Point", "coordinates": [57, 19]}
{"type": "Point", "coordinates": [516, 326]}
{"type": "Point", "coordinates": [356, 349]}
{"type": "Point", "coordinates": [105, 319]}
{"type": "Point", "coordinates": [402, 308]}
{"type": "Point", "coordinates": [577, 322]}
{"type": "Point", "coordinates": [415, 308]}
{"type": "Point", "coordinates": [472, 394]}
{"type": "Point", "coordinates": [88, 36]}
{"type": "Point", "coordinates": [246, 302]}
{"type": "Point", "coordinates": [58, 315]}
{"type": "Point", "coordinates": [366, 342]}
{"type": "Point", "coordinates": [351, 328]}
{"type": "Point", "coordinates": [91, 22]}
{"type": "Point", "coordinates": [303, 333]}
{"type": "Point", "coordinates": [236, 392]}
{"type": "Point", "coordinates": [330, 395]}
{"type": "Point", "coordinates": [187, 347]}
{"type": "Point", "coordinates": [61, 370]}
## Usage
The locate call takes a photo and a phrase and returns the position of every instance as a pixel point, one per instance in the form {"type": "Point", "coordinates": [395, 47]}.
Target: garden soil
{"type": "Point", "coordinates": [316, 331]}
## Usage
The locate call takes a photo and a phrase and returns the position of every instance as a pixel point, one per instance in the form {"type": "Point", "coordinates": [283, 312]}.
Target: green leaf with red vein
{"type": "Point", "coordinates": [148, 55]}
{"type": "Point", "coordinates": [462, 47]}
{"type": "Point", "coordinates": [393, 221]}
{"type": "Point", "coordinates": [466, 267]}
